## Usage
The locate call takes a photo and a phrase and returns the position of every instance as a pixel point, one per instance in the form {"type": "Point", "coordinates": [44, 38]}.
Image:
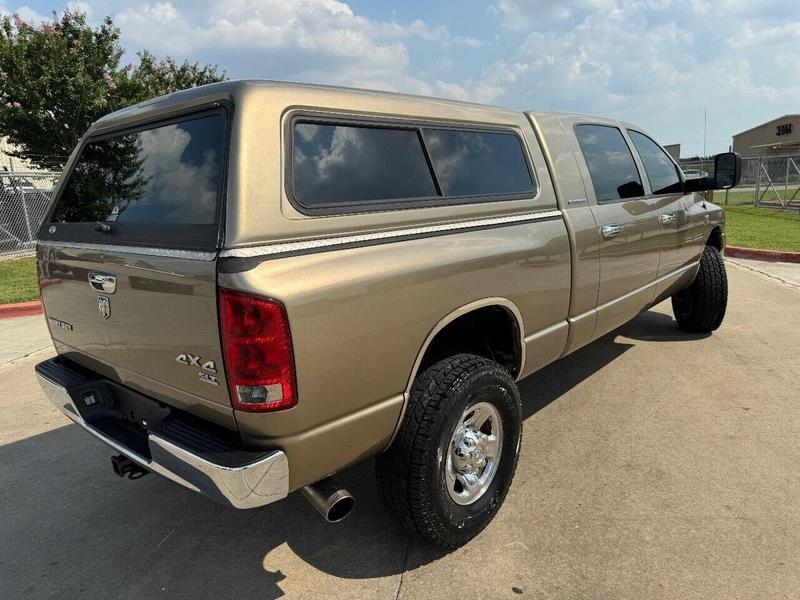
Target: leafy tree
{"type": "Point", "coordinates": [59, 77]}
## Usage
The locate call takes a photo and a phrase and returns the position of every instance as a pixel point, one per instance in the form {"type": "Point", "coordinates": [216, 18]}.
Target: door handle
{"type": "Point", "coordinates": [667, 218]}
{"type": "Point", "coordinates": [103, 282]}
{"type": "Point", "coordinates": [610, 231]}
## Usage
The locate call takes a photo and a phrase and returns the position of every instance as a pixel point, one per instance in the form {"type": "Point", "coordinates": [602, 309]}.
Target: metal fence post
{"type": "Point", "coordinates": [27, 216]}
{"type": "Point", "coordinates": [757, 195]}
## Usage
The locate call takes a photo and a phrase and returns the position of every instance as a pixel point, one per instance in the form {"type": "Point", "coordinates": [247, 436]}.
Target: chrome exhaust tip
{"type": "Point", "coordinates": [331, 500]}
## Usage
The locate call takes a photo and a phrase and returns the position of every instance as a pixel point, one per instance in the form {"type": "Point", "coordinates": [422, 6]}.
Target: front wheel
{"type": "Point", "coordinates": [700, 308]}
{"type": "Point", "coordinates": [449, 468]}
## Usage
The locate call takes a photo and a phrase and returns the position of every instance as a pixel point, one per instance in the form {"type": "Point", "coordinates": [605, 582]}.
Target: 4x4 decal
{"type": "Point", "coordinates": [192, 360]}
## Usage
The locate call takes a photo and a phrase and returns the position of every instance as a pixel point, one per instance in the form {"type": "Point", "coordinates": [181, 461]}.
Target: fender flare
{"type": "Point", "coordinates": [444, 322]}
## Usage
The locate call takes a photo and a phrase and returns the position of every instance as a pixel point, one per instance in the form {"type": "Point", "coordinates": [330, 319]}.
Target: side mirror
{"type": "Point", "coordinates": [727, 173]}
{"type": "Point", "coordinates": [727, 170]}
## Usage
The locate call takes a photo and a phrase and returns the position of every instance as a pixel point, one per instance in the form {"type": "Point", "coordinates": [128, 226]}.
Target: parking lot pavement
{"type": "Point", "coordinates": [655, 464]}
{"type": "Point", "coordinates": [22, 336]}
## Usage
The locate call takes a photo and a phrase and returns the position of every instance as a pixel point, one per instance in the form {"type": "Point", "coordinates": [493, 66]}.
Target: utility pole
{"type": "Point", "coordinates": [705, 129]}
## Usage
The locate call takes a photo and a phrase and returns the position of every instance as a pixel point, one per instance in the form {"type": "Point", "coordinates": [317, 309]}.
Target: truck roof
{"type": "Point", "coordinates": [233, 89]}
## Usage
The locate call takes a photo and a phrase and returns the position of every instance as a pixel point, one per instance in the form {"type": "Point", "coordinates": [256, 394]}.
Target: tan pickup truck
{"type": "Point", "coordinates": [252, 285]}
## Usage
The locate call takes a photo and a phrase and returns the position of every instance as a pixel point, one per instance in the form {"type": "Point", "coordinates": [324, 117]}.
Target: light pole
{"type": "Point", "coordinates": [705, 129]}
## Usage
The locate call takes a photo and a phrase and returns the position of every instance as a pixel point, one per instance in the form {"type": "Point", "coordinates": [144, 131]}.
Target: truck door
{"type": "Point", "coordinates": [666, 188]}
{"type": "Point", "coordinates": [628, 222]}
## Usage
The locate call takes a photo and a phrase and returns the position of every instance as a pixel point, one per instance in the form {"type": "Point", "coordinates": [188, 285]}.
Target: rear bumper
{"type": "Point", "coordinates": [259, 480]}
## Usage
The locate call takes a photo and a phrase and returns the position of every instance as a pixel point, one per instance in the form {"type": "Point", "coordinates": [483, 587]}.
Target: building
{"type": "Point", "coordinates": [779, 137]}
{"type": "Point", "coordinates": [12, 163]}
{"type": "Point", "coordinates": [674, 150]}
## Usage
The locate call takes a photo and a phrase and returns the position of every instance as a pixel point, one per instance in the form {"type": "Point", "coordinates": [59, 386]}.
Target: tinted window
{"type": "Point", "coordinates": [611, 167]}
{"type": "Point", "coordinates": [469, 163]}
{"type": "Point", "coordinates": [168, 174]}
{"type": "Point", "coordinates": [343, 164]}
{"type": "Point", "coordinates": [661, 171]}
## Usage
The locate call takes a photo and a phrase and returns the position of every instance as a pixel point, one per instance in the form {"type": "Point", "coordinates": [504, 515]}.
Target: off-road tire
{"type": "Point", "coordinates": [410, 474]}
{"type": "Point", "coordinates": [700, 308]}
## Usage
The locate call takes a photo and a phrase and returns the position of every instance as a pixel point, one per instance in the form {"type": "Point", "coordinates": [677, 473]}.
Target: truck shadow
{"type": "Point", "coordinates": [558, 378]}
{"type": "Point", "coordinates": [73, 529]}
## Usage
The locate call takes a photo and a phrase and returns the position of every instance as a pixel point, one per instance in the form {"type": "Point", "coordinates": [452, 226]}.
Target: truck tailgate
{"type": "Point", "coordinates": [156, 332]}
{"type": "Point", "coordinates": [127, 259]}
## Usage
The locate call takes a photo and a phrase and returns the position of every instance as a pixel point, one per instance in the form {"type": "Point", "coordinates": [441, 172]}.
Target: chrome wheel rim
{"type": "Point", "coordinates": [474, 453]}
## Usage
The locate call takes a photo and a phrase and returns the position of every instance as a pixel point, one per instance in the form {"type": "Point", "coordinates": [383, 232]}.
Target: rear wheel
{"type": "Point", "coordinates": [453, 460]}
{"type": "Point", "coordinates": [700, 308]}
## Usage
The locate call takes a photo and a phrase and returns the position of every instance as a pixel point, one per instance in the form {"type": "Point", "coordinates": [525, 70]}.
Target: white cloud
{"type": "Point", "coordinates": [659, 62]}
{"type": "Point", "coordinates": [315, 40]}
{"type": "Point", "coordinates": [656, 62]}
{"type": "Point", "coordinates": [81, 7]}
{"type": "Point", "coordinates": [30, 15]}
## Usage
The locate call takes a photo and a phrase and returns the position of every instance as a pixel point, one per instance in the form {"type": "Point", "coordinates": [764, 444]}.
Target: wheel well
{"type": "Point", "coordinates": [715, 238]}
{"type": "Point", "coordinates": [490, 331]}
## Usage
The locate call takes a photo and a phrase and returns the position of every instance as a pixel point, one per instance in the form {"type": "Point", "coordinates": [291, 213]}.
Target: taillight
{"type": "Point", "coordinates": [259, 364]}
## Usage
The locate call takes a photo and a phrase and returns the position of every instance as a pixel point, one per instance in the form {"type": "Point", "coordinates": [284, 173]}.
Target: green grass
{"type": "Point", "coordinates": [18, 280]}
{"type": "Point", "coordinates": [735, 198]}
{"type": "Point", "coordinates": [764, 228]}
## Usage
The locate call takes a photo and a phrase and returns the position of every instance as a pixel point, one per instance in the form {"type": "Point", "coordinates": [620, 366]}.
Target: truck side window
{"type": "Point", "coordinates": [372, 166]}
{"type": "Point", "coordinates": [611, 167]}
{"type": "Point", "coordinates": [475, 163]}
{"type": "Point", "coordinates": [661, 171]}
{"type": "Point", "coordinates": [347, 164]}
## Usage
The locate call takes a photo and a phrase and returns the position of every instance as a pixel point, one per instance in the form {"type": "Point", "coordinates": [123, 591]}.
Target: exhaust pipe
{"type": "Point", "coordinates": [125, 467]}
{"type": "Point", "coordinates": [330, 499]}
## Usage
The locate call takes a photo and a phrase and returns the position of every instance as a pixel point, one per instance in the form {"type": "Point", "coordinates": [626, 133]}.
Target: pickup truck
{"type": "Point", "coordinates": [252, 285]}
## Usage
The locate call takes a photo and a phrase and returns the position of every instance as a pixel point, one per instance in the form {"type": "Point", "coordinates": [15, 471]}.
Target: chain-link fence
{"type": "Point", "coordinates": [23, 201]}
{"type": "Point", "coordinates": [777, 182]}
{"type": "Point", "coordinates": [769, 181]}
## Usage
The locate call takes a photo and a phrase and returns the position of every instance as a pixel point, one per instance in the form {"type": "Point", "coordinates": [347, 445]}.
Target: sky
{"type": "Point", "coordinates": [657, 63]}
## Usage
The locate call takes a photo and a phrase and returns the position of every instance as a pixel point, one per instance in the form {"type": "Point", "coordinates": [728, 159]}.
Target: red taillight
{"type": "Point", "coordinates": [258, 352]}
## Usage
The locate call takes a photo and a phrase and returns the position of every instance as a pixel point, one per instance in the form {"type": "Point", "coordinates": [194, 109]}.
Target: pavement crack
{"type": "Point", "coordinates": [765, 274]}
{"type": "Point", "coordinates": [165, 538]}
{"type": "Point", "coordinates": [405, 565]}
{"type": "Point", "coordinates": [18, 359]}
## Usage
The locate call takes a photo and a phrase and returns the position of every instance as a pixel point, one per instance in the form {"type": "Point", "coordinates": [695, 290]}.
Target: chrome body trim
{"type": "Point", "coordinates": [247, 486]}
{"type": "Point", "coordinates": [332, 242]}
{"type": "Point", "coordinates": [546, 331]}
{"type": "Point", "coordinates": [162, 252]}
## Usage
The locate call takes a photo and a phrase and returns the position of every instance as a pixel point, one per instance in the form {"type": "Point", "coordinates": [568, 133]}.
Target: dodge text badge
{"type": "Point", "coordinates": [104, 306]}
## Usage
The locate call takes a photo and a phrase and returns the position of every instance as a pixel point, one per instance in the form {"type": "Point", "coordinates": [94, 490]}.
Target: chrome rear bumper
{"type": "Point", "coordinates": [242, 486]}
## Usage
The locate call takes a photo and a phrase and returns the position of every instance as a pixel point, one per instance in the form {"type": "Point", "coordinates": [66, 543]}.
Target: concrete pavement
{"type": "Point", "coordinates": [788, 273]}
{"type": "Point", "coordinates": [22, 336]}
{"type": "Point", "coordinates": [654, 464]}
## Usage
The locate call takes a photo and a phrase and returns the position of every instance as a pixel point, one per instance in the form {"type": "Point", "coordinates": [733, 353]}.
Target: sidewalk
{"type": "Point", "coordinates": [782, 272]}
{"type": "Point", "coordinates": [21, 337]}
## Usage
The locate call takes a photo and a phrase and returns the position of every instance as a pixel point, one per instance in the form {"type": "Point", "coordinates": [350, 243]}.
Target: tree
{"type": "Point", "coordinates": [57, 78]}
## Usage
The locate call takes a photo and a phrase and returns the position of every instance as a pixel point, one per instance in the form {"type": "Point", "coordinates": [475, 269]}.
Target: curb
{"type": "Point", "coordinates": [766, 255]}
{"type": "Point", "coordinates": [21, 309]}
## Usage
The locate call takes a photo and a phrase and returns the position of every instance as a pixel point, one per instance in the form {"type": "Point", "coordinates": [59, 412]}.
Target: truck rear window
{"type": "Point", "coordinates": [169, 174]}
